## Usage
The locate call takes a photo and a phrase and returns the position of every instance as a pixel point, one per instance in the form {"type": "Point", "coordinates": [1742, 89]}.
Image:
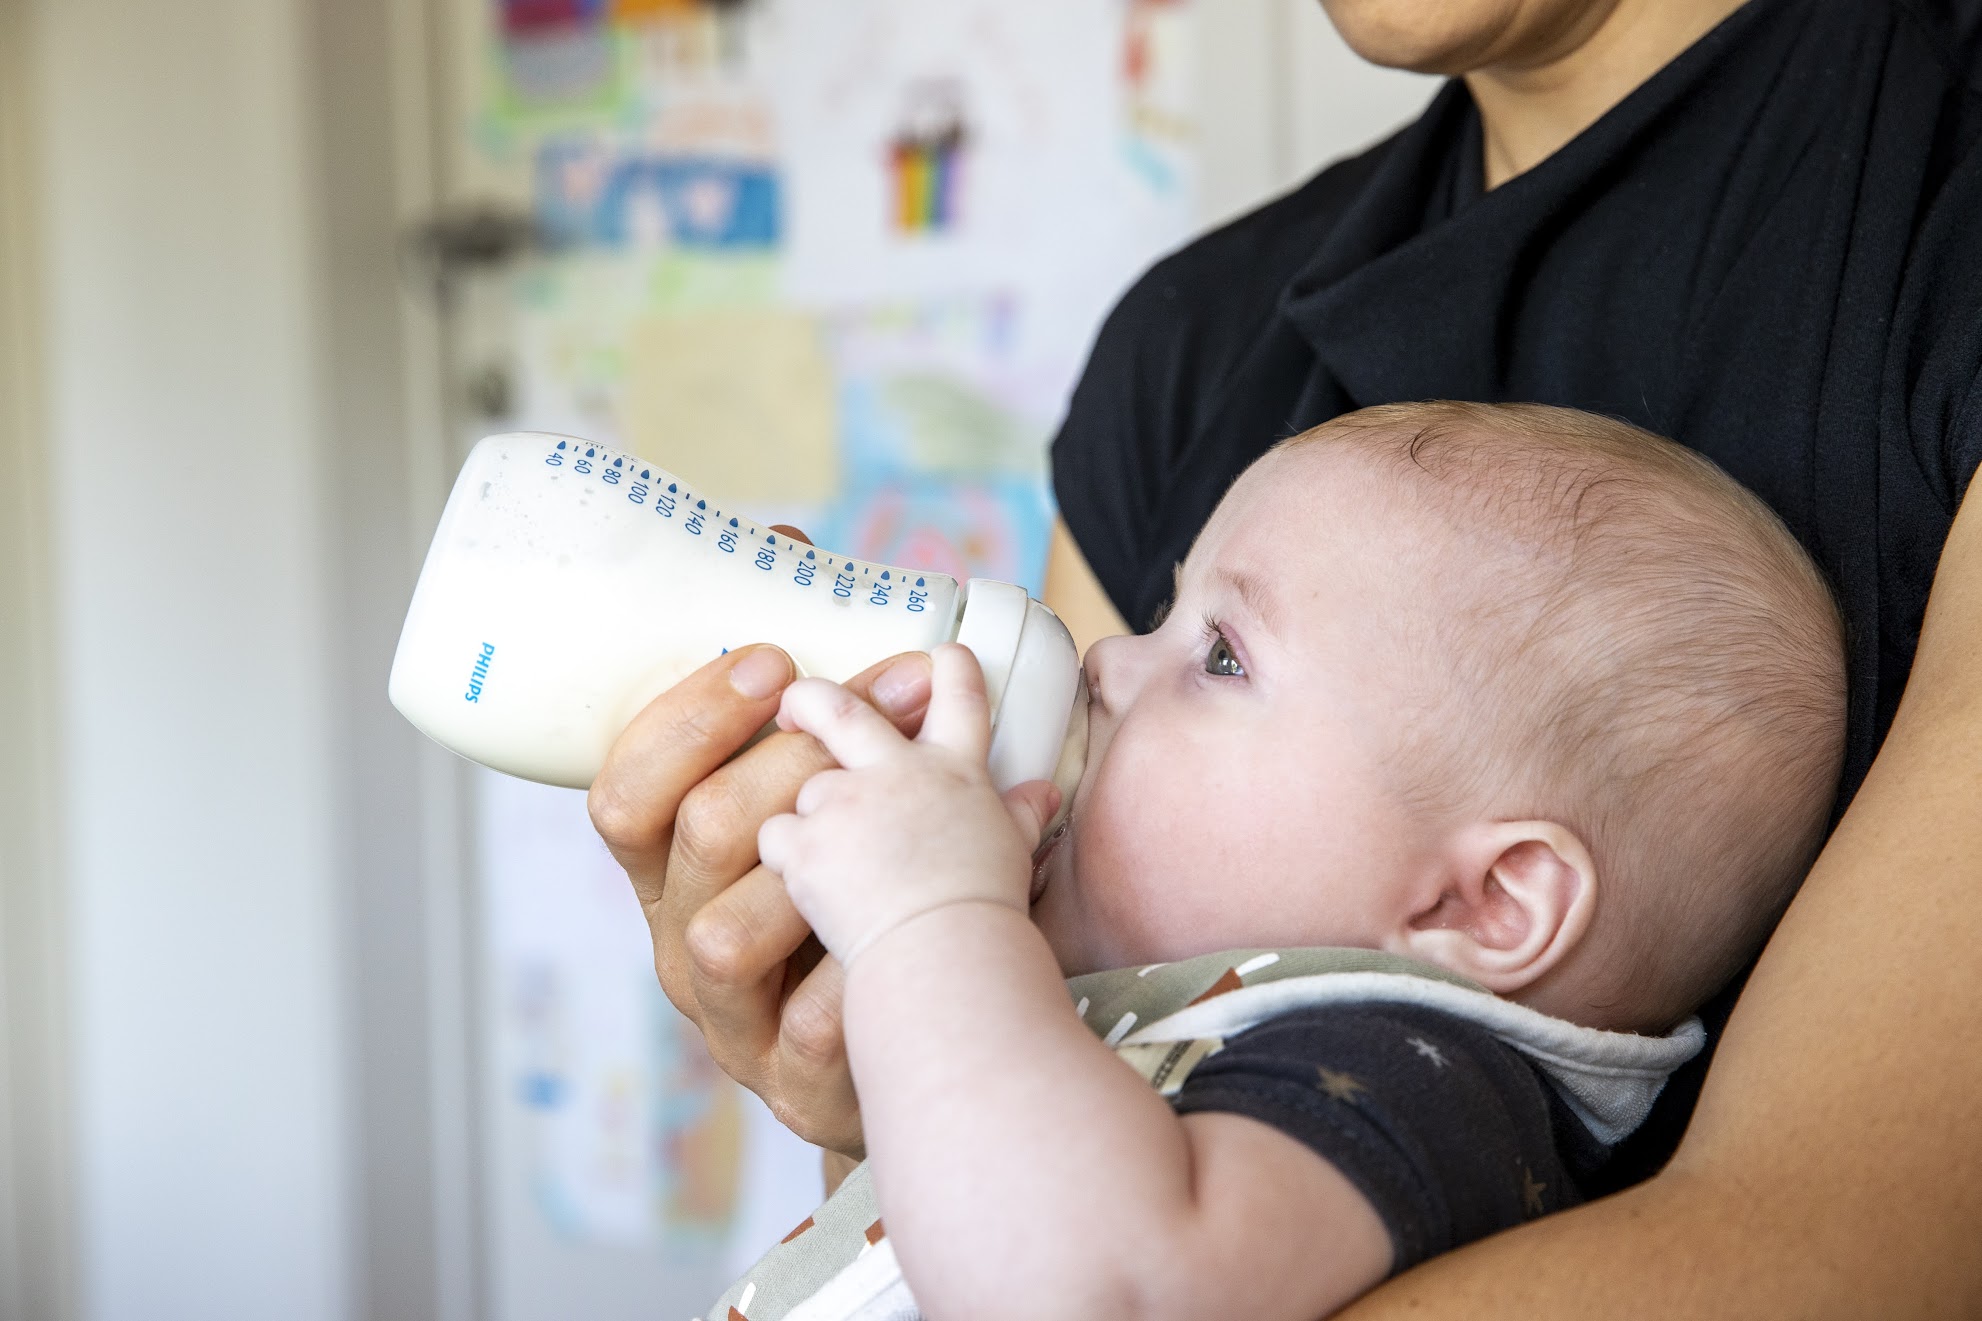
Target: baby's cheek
{"type": "Point", "coordinates": [1123, 821]}
{"type": "Point", "coordinates": [1140, 837]}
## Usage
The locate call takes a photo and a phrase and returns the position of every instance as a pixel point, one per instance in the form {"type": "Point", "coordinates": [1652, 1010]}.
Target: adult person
{"type": "Point", "coordinates": [1752, 228]}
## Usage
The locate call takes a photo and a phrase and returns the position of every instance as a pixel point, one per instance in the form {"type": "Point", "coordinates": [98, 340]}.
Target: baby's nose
{"type": "Point", "coordinates": [1104, 666]}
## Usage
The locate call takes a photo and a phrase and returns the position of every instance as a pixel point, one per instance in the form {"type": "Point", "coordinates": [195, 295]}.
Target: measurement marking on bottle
{"type": "Point", "coordinates": [853, 581]}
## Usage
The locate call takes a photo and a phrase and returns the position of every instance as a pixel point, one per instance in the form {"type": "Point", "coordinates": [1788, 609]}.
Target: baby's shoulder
{"type": "Point", "coordinates": [1448, 1131]}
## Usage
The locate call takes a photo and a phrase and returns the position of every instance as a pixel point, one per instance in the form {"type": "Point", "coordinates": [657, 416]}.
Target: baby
{"type": "Point", "coordinates": [1526, 700]}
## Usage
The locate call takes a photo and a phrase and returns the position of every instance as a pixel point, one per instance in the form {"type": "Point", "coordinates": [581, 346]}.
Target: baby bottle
{"type": "Point", "coordinates": [568, 584]}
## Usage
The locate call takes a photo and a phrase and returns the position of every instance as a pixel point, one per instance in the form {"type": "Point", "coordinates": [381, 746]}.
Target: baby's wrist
{"type": "Point", "coordinates": [964, 917]}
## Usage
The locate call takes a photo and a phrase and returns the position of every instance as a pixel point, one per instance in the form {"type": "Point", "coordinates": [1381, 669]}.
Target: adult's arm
{"type": "Point", "coordinates": [1076, 595]}
{"type": "Point", "coordinates": [680, 812]}
{"type": "Point", "coordinates": [1834, 1166]}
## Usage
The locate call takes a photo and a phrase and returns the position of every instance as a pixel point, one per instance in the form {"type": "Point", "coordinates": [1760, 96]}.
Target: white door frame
{"type": "Point", "coordinates": [386, 466]}
{"type": "Point", "coordinates": [37, 1166]}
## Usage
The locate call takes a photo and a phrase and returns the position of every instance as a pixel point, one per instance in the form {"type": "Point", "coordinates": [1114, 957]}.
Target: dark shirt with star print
{"type": "Point", "coordinates": [1451, 1134]}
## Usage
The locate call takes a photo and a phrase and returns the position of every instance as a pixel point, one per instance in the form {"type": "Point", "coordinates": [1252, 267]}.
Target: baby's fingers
{"type": "Point", "coordinates": [821, 790]}
{"type": "Point", "coordinates": [853, 732]}
{"type": "Point", "coordinates": [777, 842]}
{"type": "Point", "coordinates": [959, 715]}
{"type": "Point", "coordinates": [1032, 805]}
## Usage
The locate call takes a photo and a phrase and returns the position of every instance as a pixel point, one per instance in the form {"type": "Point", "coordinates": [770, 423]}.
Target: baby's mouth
{"type": "Point", "coordinates": [1043, 855]}
{"type": "Point", "coordinates": [1067, 777]}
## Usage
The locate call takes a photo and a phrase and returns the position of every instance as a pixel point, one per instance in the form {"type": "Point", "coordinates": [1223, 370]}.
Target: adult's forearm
{"type": "Point", "coordinates": [1678, 1246]}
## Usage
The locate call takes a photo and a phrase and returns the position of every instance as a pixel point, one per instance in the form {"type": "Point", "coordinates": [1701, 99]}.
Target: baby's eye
{"type": "Point", "coordinates": [1220, 659]}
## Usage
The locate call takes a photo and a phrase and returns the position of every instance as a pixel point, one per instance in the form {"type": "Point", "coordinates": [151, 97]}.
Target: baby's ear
{"type": "Point", "coordinates": [1519, 897]}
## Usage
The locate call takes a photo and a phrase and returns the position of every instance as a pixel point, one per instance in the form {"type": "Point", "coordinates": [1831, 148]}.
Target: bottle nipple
{"type": "Point", "coordinates": [1033, 680]}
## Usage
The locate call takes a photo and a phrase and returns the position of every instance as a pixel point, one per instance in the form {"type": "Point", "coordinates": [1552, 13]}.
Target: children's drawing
{"type": "Point", "coordinates": [1157, 93]}
{"type": "Point", "coordinates": [927, 159]}
{"type": "Point", "coordinates": [982, 529]}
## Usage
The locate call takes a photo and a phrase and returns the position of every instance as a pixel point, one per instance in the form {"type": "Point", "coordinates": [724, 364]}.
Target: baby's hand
{"type": "Point", "coordinates": [905, 826]}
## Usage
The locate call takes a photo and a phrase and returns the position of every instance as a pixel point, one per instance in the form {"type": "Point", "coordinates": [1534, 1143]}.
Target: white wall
{"type": "Point", "coordinates": [1335, 103]}
{"type": "Point", "coordinates": [1283, 95]}
{"type": "Point", "coordinates": [181, 402]}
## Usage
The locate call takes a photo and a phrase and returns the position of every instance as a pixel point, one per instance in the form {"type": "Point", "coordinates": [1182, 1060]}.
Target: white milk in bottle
{"type": "Point", "coordinates": [568, 584]}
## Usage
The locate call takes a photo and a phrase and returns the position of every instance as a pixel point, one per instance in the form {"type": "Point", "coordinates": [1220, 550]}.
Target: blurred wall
{"type": "Point", "coordinates": [36, 1258]}
{"type": "Point", "coordinates": [182, 376]}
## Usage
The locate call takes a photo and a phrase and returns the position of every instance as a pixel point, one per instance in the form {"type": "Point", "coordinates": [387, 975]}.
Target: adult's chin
{"type": "Point", "coordinates": [1454, 37]}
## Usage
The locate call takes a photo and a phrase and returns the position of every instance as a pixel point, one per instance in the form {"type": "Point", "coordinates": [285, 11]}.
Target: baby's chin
{"type": "Point", "coordinates": [1074, 873]}
{"type": "Point", "coordinates": [1056, 907]}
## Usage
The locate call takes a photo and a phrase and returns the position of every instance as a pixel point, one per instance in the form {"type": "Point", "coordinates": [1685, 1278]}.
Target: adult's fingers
{"type": "Point", "coordinates": [959, 715]}
{"type": "Point", "coordinates": [743, 946]}
{"type": "Point", "coordinates": [775, 1025]}
{"type": "Point", "coordinates": [715, 844]}
{"type": "Point", "coordinates": [673, 745]}
{"type": "Point", "coordinates": [812, 1063]}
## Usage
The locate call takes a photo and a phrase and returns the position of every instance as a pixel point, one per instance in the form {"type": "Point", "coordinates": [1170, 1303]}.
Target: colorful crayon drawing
{"type": "Point", "coordinates": [698, 1133]}
{"type": "Point", "coordinates": [563, 67]}
{"type": "Point", "coordinates": [645, 201]}
{"type": "Point", "coordinates": [520, 17]}
{"type": "Point", "coordinates": [563, 56]}
{"type": "Point", "coordinates": [577, 1095]}
{"type": "Point", "coordinates": [531, 18]}
{"type": "Point", "coordinates": [926, 159]}
{"type": "Point", "coordinates": [937, 423]}
{"type": "Point", "coordinates": [1157, 86]}
{"type": "Point", "coordinates": [556, 51]}
{"type": "Point", "coordinates": [687, 36]}
{"type": "Point", "coordinates": [624, 1130]}
{"type": "Point", "coordinates": [987, 529]}
{"type": "Point", "coordinates": [705, 202]}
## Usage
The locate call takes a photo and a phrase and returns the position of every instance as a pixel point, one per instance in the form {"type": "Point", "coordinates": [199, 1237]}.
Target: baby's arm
{"type": "Point", "coordinates": [1024, 1171]}
{"type": "Point", "coordinates": [1021, 1169]}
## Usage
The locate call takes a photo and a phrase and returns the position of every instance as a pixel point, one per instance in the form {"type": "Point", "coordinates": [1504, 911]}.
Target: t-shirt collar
{"type": "Point", "coordinates": [1395, 299]}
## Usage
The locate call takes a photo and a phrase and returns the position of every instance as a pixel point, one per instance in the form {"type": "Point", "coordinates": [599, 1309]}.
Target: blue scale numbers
{"type": "Point", "coordinates": [850, 581]}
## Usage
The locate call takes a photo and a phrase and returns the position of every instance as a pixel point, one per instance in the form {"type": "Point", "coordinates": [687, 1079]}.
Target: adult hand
{"type": "Point", "coordinates": [680, 812]}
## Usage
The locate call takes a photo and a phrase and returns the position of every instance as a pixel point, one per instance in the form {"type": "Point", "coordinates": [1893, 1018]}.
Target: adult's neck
{"type": "Point", "coordinates": [1530, 109]}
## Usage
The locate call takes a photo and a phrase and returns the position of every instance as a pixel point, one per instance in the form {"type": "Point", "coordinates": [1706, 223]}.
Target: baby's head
{"type": "Point", "coordinates": [1523, 692]}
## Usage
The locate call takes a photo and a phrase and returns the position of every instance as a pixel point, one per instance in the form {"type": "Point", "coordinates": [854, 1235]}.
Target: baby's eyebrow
{"type": "Point", "coordinates": [1251, 591]}
{"type": "Point", "coordinates": [1254, 592]}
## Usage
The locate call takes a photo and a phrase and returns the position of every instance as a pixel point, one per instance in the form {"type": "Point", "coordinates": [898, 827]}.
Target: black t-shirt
{"type": "Point", "coordinates": [1771, 252]}
{"type": "Point", "coordinates": [1448, 1132]}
